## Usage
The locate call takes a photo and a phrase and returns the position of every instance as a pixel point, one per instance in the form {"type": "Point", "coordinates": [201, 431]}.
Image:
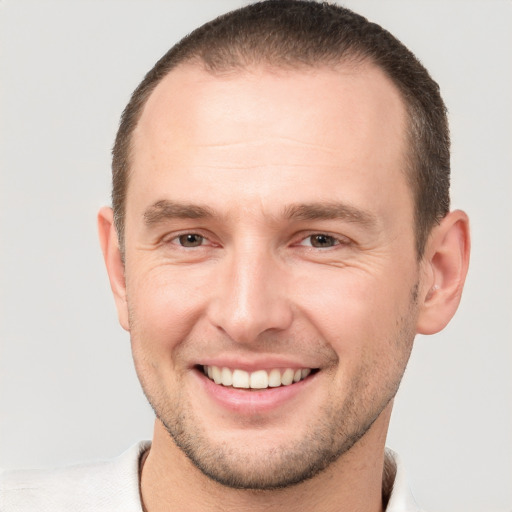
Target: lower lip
{"type": "Point", "coordinates": [249, 402]}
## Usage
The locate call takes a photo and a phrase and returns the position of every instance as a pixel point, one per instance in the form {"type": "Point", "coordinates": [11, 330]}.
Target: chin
{"type": "Point", "coordinates": [272, 460]}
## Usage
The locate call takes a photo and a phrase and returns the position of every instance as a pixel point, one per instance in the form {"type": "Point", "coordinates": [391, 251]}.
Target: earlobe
{"type": "Point", "coordinates": [446, 261]}
{"type": "Point", "coordinates": [114, 262]}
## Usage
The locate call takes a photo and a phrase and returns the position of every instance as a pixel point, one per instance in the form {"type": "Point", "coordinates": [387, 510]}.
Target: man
{"type": "Point", "coordinates": [280, 232]}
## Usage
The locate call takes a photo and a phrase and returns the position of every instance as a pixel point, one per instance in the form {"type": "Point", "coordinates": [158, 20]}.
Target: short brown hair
{"type": "Point", "coordinates": [295, 33]}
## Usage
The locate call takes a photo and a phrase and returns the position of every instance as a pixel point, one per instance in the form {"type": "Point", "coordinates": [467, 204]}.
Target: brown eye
{"type": "Point", "coordinates": [322, 241]}
{"type": "Point", "coordinates": [190, 240]}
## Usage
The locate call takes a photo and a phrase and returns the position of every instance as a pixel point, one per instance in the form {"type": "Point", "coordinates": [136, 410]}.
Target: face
{"type": "Point", "coordinates": [271, 271]}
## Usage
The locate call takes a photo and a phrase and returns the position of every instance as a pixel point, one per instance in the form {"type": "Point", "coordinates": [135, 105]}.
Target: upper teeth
{"type": "Point", "coordinates": [259, 379]}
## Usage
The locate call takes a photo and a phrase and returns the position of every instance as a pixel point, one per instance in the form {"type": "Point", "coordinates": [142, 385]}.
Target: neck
{"type": "Point", "coordinates": [169, 481]}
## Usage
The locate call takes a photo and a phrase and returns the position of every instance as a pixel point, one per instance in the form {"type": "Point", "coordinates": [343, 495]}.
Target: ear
{"type": "Point", "coordinates": [114, 262]}
{"type": "Point", "coordinates": [445, 264]}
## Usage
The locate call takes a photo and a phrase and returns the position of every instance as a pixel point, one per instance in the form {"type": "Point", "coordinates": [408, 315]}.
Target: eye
{"type": "Point", "coordinates": [190, 240]}
{"type": "Point", "coordinates": [320, 240]}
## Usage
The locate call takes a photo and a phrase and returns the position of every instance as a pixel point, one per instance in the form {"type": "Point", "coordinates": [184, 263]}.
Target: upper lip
{"type": "Point", "coordinates": [254, 363]}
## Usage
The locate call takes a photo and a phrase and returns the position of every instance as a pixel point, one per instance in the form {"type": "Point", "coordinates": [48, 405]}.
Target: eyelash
{"type": "Point", "coordinates": [175, 240]}
{"type": "Point", "coordinates": [336, 240]}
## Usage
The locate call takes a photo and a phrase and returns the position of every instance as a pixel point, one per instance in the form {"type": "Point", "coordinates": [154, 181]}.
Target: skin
{"type": "Point", "coordinates": [266, 153]}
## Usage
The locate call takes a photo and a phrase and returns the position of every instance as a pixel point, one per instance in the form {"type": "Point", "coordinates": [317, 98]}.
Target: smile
{"type": "Point", "coordinates": [260, 379]}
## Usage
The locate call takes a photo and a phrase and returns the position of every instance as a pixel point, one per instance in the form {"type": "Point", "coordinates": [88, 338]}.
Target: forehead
{"type": "Point", "coordinates": [350, 93]}
{"type": "Point", "coordinates": [261, 126]}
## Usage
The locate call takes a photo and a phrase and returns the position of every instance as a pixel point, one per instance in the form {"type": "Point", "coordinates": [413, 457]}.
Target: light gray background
{"type": "Point", "coordinates": [67, 388]}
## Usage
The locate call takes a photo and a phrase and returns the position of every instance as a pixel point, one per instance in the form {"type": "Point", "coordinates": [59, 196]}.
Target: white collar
{"type": "Point", "coordinates": [401, 498]}
{"type": "Point", "coordinates": [114, 485]}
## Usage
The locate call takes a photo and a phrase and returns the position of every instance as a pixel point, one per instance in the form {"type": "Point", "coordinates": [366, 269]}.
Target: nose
{"type": "Point", "coordinates": [251, 297]}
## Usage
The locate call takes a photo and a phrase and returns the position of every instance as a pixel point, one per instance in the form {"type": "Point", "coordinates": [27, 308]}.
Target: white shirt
{"type": "Point", "coordinates": [113, 485]}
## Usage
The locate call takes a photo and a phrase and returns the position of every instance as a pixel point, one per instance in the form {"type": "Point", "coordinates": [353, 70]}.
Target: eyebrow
{"type": "Point", "coordinates": [165, 209]}
{"type": "Point", "coordinates": [340, 211]}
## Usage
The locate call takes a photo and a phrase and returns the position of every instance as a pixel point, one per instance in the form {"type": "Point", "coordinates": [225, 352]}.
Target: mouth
{"type": "Point", "coordinates": [259, 379]}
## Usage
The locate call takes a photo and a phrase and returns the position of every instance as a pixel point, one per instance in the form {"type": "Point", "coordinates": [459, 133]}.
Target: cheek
{"type": "Point", "coordinates": [358, 313]}
{"type": "Point", "coordinates": [164, 305]}
{"type": "Point", "coordinates": [163, 309]}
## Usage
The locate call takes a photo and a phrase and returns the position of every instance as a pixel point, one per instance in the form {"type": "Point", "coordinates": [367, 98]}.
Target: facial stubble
{"type": "Point", "coordinates": [336, 429]}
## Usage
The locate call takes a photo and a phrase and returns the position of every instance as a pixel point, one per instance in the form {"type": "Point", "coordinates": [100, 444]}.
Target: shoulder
{"type": "Point", "coordinates": [101, 486]}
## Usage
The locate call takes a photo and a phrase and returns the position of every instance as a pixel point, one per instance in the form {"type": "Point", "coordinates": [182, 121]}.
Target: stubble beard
{"type": "Point", "coordinates": [336, 429]}
{"type": "Point", "coordinates": [265, 469]}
